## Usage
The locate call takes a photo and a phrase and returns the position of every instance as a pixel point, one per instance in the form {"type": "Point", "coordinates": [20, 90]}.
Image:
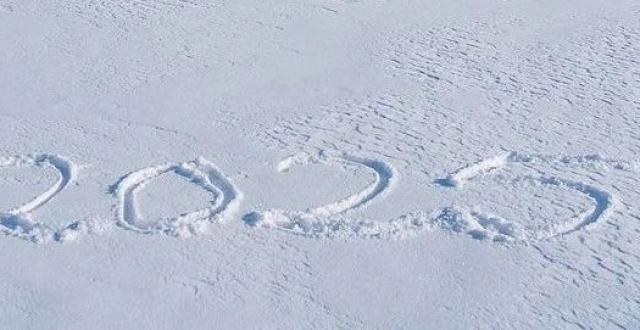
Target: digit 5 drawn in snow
{"type": "Point", "coordinates": [333, 219]}
{"type": "Point", "coordinates": [486, 226]}
{"type": "Point", "coordinates": [225, 198]}
{"type": "Point", "coordinates": [328, 220]}
{"type": "Point", "coordinates": [18, 222]}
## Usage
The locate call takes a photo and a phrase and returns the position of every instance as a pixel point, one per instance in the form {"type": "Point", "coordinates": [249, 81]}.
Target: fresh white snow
{"type": "Point", "coordinates": [320, 164]}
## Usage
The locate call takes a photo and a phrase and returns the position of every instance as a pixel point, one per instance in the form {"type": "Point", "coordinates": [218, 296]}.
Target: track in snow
{"type": "Point", "coordinates": [225, 198]}
{"type": "Point", "coordinates": [19, 222]}
{"type": "Point", "coordinates": [484, 226]}
{"type": "Point", "coordinates": [330, 220]}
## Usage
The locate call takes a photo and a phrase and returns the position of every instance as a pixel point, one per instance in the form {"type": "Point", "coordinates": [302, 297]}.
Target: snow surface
{"type": "Point", "coordinates": [320, 164]}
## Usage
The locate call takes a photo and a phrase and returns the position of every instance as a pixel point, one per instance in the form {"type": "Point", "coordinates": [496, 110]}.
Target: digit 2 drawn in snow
{"type": "Point", "coordinates": [481, 225]}
{"type": "Point", "coordinates": [332, 220]}
{"type": "Point", "coordinates": [328, 220]}
{"type": "Point", "coordinates": [19, 222]}
{"type": "Point", "coordinates": [225, 198]}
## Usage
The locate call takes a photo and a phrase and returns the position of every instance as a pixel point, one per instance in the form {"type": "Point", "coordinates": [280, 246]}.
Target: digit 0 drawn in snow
{"type": "Point", "coordinates": [487, 226]}
{"type": "Point", "coordinates": [329, 220]}
{"type": "Point", "coordinates": [226, 199]}
{"type": "Point", "coordinates": [19, 222]}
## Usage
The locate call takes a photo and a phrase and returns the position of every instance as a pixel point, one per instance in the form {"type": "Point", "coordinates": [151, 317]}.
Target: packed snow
{"type": "Point", "coordinates": [324, 164]}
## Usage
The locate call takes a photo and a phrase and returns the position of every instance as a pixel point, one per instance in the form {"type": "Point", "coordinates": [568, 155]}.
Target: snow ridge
{"type": "Point", "coordinates": [329, 220]}
{"type": "Point", "coordinates": [19, 221]}
{"type": "Point", "coordinates": [480, 225]}
{"type": "Point", "coordinates": [225, 198]}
